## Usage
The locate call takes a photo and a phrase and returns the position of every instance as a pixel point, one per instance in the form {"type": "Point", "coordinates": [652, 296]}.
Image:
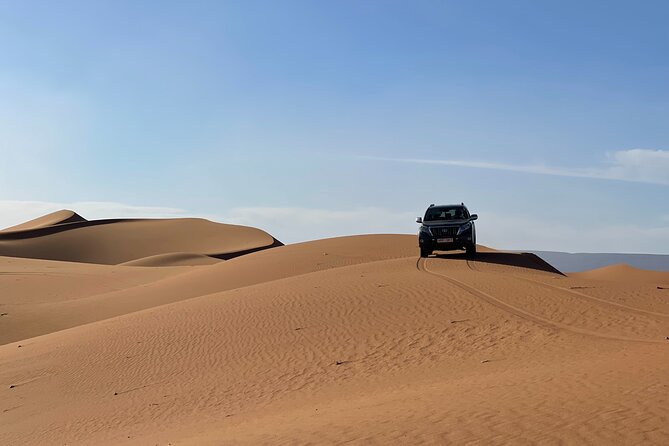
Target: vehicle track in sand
{"type": "Point", "coordinates": [472, 265]}
{"type": "Point", "coordinates": [421, 265]}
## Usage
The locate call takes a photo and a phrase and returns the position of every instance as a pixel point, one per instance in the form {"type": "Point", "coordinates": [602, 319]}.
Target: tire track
{"type": "Point", "coordinates": [638, 311]}
{"type": "Point", "coordinates": [421, 265]}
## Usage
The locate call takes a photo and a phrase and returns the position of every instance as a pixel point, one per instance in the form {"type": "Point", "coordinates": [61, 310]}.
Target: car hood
{"type": "Point", "coordinates": [445, 222]}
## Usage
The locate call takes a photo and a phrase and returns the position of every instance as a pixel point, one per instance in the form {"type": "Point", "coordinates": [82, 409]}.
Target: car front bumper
{"type": "Point", "coordinates": [438, 243]}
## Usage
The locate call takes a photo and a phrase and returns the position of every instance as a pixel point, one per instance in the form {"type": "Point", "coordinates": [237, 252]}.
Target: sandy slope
{"type": "Point", "coordinates": [118, 241]}
{"type": "Point", "coordinates": [341, 340]}
{"type": "Point", "coordinates": [73, 303]}
{"type": "Point", "coordinates": [40, 296]}
{"type": "Point", "coordinates": [625, 273]}
{"type": "Point", "coordinates": [55, 218]}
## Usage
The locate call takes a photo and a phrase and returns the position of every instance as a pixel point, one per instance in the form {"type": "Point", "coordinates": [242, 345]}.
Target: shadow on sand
{"type": "Point", "coordinates": [517, 259]}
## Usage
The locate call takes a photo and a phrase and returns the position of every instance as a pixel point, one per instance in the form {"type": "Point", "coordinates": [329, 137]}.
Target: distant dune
{"type": "Point", "coordinates": [66, 236]}
{"type": "Point", "coordinates": [55, 218]}
{"type": "Point", "coordinates": [577, 262]}
{"type": "Point", "coordinates": [142, 337]}
{"type": "Point", "coordinates": [625, 273]}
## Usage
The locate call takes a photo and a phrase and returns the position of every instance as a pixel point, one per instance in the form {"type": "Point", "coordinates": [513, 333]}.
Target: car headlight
{"type": "Point", "coordinates": [425, 230]}
{"type": "Point", "coordinates": [464, 228]}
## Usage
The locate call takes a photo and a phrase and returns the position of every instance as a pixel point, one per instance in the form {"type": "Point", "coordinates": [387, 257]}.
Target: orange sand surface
{"type": "Point", "coordinates": [188, 332]}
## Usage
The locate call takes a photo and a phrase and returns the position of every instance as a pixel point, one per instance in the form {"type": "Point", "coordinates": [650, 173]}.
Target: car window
{"type": "Point", "coordinates": [446, 213]}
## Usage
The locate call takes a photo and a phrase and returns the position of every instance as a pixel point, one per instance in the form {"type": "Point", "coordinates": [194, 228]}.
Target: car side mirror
{"type": "Point", "coordinates": [474, 217]}
{"type": "Point", "coordinates": [419, 220]}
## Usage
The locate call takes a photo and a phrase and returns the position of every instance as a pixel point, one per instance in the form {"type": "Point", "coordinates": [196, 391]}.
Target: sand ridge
{"type": "Point", "coordinates": [116, 241]}
{"type": "Point", "coordinates": [61, 217]}
{"type": "Point", "coordinates": [173, 259]}
{"type": "Point", "coordinates": [69, 308]}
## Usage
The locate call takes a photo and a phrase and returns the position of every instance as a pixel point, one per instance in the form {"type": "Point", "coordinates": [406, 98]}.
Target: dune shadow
{"type": "Point", "coordinates": [517, 259]}
{"type": "Point", "coordinates": [232, 255]}
{"type": "Point", "coordinates": [61, 227]}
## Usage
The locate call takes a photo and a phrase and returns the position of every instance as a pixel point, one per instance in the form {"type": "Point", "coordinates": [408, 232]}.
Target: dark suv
{"type": "Point", "coordinates": [445, 228]}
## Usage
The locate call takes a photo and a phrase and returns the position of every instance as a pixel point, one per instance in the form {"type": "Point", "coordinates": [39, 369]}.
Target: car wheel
{"type": "Point", "coordinates": [471, 249]}
{"type": "Point", "coordinates": [425, 252]}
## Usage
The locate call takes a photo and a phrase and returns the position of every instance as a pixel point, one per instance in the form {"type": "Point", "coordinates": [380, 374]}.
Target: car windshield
{"type": "Point", "coordinates": [446, 213]}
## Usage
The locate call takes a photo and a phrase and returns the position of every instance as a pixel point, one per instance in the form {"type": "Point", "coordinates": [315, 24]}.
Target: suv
{"type": "Point", "coordinates": [445, 228]}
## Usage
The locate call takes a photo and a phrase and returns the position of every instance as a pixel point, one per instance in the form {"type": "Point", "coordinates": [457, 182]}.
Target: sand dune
{"type": "Point", "coordinates": [625, 273]}
{"type": "Point", "coordinates": [55, 218]}
{"type": "Point", "coordinates": [345, 340]}
{"type": "Point", "coordinates": [40, 296]}
{"type": "Point", "coordinates": [70, 307]}
{"type": "Point", "coordinates": [118, 241]}
{"type": "Point", "coordinates": [581, 262]}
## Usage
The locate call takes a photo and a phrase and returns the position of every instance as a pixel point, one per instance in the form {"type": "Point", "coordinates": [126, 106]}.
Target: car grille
{"type": "Point", "coordinates": [449, 230]}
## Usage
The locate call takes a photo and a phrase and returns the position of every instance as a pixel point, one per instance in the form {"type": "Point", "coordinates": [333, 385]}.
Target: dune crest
{"type": "Point", "coordinates": [118, 241]}
{"type": "Point", "coordinates": [55, 218]}
{"type": "Point", "coordinates": [173, 259]}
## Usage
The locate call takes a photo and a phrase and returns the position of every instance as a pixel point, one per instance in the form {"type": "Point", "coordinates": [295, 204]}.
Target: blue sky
{"type": "Point", "coordinates": [312, 119]}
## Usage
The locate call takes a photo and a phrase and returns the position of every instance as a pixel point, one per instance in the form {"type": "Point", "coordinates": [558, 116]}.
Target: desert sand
{"type": "Point", "coordinates": [189, 332]}
{"type": "Point", "coordinates": [64, 235]}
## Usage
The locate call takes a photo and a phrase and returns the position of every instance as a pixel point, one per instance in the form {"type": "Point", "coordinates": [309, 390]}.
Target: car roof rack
{"type": "Point", "coordinates": [432, 205]}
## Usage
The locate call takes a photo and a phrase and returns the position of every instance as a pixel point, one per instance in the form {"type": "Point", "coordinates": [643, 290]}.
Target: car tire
{"type": "Point", "coordinates": [425, 252]}
{"type": "Point", "coordinates": [471, 250]}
